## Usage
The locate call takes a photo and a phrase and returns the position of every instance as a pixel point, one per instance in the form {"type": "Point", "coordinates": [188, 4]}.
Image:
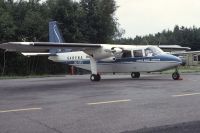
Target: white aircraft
{"type": "Point", "coordinates": [99, 58]}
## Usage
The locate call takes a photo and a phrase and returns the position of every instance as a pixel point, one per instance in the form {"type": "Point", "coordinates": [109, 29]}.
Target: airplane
{"type": "Point", "coordinates": [99, 58]}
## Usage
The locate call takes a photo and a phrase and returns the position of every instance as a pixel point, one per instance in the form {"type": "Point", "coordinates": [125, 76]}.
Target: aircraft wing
{"type": "Point", "coordinates": [38, 54]}
{"type": "Point", "coordinates": [41, 47]}
{"type": "Point", "coordinates": [169, 48]}
{"type": "Point", "coordinates": [184, 52]}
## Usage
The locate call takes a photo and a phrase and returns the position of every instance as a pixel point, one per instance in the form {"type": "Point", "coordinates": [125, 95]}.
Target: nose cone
{"type": "Point", "coordinates": [169, 57]}
{"type": "Point", "coordinates": [177, 59]}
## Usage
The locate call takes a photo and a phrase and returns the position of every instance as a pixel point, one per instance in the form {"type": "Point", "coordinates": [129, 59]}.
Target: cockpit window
{"type": "Point", "coordinates": [152, 51]}
{"type": "Point", "coordinates": [148, 52]}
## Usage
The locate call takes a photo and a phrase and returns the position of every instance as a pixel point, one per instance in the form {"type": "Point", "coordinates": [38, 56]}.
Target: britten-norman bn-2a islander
{"type": "Point", "coordinates": [99, 58]}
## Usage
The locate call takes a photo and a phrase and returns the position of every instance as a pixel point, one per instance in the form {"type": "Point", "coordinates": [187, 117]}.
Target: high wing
{"type": "Point", "coordinates": [38, 54]}
{"type": "Point", "coordinates": [41, 47]}
{"type": "Point", "coordinates": [184, 52]}
{"type": "Point", "coordinates": [169, 48]}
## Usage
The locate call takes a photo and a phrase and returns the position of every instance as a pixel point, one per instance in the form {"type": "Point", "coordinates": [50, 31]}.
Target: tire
{"type": "Point", "coordinates": [94, 77]}
{"type": "Point", "coordinates": [176, 76]}
{"type": "Point", "coordinates": [135, 74]}
{"type": "Point", "coordinates": [98, 77]}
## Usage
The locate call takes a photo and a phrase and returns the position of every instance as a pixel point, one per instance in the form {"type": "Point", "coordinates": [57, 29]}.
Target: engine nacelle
{"type": "Point", "coordinates": [116, 50]}
{"type": "Point", "coordinates": [100, 53]}
{"type": "Point", "coordinates": [105, 53]}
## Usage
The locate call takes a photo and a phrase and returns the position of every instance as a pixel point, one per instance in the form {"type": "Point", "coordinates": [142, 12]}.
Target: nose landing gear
{"type": "Point", "coordinates": [176, 75]}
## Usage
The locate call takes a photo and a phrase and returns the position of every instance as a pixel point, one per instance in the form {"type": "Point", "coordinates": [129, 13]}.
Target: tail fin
{"type": "Point", "coordinates": [54, 33]}
{"type": "Point", "coordinates": [56, 36]}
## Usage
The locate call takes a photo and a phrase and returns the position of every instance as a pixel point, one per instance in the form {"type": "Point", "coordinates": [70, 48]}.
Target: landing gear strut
{"type": "Point", "coordinates": [94, 76]}
{"type": "Point", "coordinates": [135, 74]}
{"type": "Point", "coordinates": [176, 75]}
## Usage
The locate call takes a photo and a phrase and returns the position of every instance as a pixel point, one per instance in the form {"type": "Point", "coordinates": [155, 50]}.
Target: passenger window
{"type": "Point", "coordinates": [126, 54]}
{"type": "Point", "coordinates": [138, 53]}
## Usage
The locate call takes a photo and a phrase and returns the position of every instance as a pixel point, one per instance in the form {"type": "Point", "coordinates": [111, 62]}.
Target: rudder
{"type": "Point", "coordinates": [54, 33]}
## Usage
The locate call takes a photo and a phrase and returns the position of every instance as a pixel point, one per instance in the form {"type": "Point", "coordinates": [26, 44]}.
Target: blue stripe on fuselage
{"type": "Point", "coordinates": [165, 57]}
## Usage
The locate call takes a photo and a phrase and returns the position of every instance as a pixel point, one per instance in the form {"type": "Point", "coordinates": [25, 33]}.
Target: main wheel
{"type": "Point", "coordinates": [94, 77]}
{"type": "Point", "coordinates": [135, 74]}
{"type": "Point", "coordinates": [98, 77]}
{"type": "Point", "coordinates": [175, 75]}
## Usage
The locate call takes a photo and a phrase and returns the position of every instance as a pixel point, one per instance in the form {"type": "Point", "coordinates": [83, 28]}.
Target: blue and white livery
{"type": "Point", "coordinates": [99, 58]}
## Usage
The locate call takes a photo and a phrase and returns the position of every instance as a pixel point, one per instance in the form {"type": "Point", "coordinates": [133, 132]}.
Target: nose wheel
{"type": "Point", "coordinates": [176, 75]}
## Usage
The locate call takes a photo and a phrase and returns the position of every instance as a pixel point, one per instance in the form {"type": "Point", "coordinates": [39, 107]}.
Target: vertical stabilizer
{"type": "Point", "coordinates": [56, 36]}
{"type": "Point", "coordinates": [54, 33]}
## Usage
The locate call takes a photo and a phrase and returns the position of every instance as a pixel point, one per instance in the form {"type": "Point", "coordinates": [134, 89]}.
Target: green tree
{"type": "Point", "coordinates": [7, 27]}
{"type": "Point", "coordinates": [91, 21]}
{"type": "Point", "coordinates": [99, 24]}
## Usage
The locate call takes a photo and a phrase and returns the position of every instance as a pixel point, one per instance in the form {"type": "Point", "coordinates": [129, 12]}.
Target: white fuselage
{"type": "Point", "coordinates": [118, 63]}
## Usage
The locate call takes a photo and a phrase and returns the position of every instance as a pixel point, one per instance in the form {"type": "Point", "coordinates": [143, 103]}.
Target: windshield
{"type": "Point", "coordinates": [153, 51]}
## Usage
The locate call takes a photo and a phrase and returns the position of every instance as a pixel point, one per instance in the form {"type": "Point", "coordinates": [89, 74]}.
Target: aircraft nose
{"type": "Point", "coordinates": [178, 59]}
{"type": "Point", "coordinates": [169, 57]}
{"type": "Point", "coordinates": [175, 58]}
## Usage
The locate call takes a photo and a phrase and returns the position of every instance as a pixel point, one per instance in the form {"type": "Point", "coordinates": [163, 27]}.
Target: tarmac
{"type": "Point", "coordinates": [117, 104]}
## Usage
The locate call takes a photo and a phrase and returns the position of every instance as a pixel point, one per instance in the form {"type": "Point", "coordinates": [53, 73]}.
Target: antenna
{"type": "Point", "coordinates": [146, 41]}
{"type": "Point", "coordinates": [159, 42]}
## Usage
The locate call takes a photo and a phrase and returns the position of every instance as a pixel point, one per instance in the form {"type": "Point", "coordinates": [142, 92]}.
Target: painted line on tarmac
{"type": "Point", "coordinates": [187, 94]}
{"type": "Point", "coordinates": [19, 110]}
{"type": "Point", "coordinates": [107, 102]}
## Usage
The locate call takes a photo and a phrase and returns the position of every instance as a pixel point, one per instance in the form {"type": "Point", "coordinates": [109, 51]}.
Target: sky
{"type": "Point", "coordinates": [143, 17]}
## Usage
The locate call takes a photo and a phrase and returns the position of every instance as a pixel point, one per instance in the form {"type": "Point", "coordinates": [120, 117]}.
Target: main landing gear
{"type": "Point", "coordinates": [95, 77]}
{"type": "Point", "coordinates": [135, 74]}
{"type": "Point", "coordinates": [176, 75]}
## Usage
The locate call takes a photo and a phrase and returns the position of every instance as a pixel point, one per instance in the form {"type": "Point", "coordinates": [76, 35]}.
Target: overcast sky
{"type": "Point", "coordinates": [142, 17]}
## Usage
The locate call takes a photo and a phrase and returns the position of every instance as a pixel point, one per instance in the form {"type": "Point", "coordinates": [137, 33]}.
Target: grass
{"type": "Point", "coordinates": [184, 69]}
{"type": "Point", "coordinates": [28, 76]}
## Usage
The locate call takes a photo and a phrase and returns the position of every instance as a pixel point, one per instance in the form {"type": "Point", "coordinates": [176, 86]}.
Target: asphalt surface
{"type": "Point", "coordinates": [116, 104]}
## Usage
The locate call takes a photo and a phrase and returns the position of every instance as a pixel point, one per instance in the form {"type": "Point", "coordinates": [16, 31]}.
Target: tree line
{"type": "Point", "coordinates": [180, 35]}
